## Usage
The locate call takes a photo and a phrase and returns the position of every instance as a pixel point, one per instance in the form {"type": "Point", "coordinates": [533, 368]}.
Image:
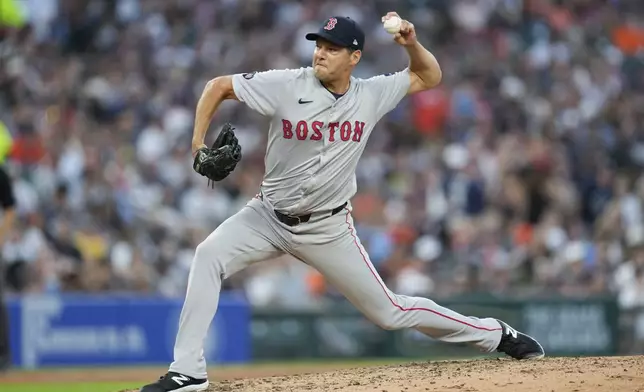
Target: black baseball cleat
{"type": "Point", "coordinates": [519, 345]}
{"type": "Point", "coordinates": [175, 382]}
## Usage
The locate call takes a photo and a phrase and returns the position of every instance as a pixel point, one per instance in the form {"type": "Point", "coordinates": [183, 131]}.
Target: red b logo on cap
{"type": "Point", "coordinates": [331, 24]}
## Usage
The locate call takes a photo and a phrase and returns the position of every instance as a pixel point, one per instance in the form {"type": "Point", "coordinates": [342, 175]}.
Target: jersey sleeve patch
{"type": "Point", "coordinates": [249, 76]}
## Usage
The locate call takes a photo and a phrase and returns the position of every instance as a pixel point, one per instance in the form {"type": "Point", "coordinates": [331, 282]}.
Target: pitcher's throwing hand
{"type": "Point", "coordinates": [404, 32]}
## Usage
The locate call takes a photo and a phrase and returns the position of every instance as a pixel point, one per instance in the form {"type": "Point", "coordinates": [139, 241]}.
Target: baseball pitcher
{"type": "Point", "coordinates": [320, 120]}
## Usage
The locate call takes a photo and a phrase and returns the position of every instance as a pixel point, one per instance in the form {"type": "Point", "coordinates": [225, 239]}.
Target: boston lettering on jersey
{"type": "Point", "coordinates": [315, 130]}
{"type": "Point", "coordinates": [314, 139]}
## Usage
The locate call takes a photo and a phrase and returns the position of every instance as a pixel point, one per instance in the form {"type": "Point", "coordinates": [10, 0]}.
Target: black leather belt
{"type": "Point", "coordinates": [296, 220]}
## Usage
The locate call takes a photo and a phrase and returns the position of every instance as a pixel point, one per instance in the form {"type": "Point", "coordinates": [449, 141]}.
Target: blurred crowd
{"type": "Point", "coordinates": [519, 175]}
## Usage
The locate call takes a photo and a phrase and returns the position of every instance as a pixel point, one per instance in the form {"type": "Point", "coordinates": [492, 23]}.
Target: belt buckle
{"type": "Point", "coordinates": [298, 220]}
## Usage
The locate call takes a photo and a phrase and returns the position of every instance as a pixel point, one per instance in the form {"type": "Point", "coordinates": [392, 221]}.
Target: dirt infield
{"type": "Point", "coordinates": [560, 375]}
{"type": "Point", "coordinates": [614, 374]}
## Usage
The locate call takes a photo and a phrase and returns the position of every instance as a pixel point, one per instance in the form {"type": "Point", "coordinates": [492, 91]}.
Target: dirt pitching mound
{"type": "Point", "coordinates": [614, 374]}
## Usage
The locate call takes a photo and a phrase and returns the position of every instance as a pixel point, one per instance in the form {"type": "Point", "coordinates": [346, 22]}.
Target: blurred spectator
{"type": "Point", "coordinates": [9, 274]}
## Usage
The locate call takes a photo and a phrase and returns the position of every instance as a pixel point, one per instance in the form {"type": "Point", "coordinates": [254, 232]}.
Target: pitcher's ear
{"type": "Point", "coordinates": [356, 55]}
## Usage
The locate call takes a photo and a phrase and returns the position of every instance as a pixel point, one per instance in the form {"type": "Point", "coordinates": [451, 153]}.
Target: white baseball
{"type": "Point", "coordinates": [392, 24]}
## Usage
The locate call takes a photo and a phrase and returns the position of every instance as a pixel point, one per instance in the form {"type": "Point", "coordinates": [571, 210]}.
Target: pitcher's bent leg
{"type": "Point", "coordinates": [346, 266]}
{"type": "Point", "coordinates": [241, 240]}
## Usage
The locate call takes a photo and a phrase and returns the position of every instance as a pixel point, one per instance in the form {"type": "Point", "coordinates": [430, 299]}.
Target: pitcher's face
{"type": "Point", "coordinates": [331, 62]}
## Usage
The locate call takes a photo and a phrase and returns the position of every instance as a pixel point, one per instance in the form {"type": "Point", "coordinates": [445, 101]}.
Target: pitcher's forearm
{"type": "Point", "coordinates": [423, 63]}
{"type": "Point", "coordinates": [215, 92]}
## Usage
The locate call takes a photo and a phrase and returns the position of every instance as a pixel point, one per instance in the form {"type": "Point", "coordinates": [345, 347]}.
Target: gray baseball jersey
{"type": "Point", "coordinates": [314, 139]}
{"type": "Point", "coordinates": [314, 143]}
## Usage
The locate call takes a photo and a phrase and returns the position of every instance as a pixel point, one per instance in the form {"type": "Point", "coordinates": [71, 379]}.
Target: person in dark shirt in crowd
{"type": "Point", "coordinates": [7, 202]}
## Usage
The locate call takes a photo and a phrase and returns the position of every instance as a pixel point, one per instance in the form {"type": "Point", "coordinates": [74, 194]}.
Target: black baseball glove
{"type": "Point", "coordinates": [220, 160]}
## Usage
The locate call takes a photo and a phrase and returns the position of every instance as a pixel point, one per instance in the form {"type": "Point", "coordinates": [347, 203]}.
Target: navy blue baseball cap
{"type": "Point", "coordinates": [341, 31]}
